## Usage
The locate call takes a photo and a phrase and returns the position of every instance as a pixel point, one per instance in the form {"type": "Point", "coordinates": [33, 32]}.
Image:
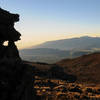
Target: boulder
{"type": "Point", "coordinates": [15, 76]}
{"type": "Point", "coordinates": [7, 30]}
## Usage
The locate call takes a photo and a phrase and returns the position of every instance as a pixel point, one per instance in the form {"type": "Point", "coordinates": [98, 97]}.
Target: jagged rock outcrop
{"type": "Point", "coordinates": [15, 76]}
{"type": "Point", "coordinates": [8, 33]}
{"type": "Point", "coordinates": [7, 30]}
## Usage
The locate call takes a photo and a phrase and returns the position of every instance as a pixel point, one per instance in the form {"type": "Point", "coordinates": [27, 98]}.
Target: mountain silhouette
{"type": "Point", "coordinates": [82, 43]}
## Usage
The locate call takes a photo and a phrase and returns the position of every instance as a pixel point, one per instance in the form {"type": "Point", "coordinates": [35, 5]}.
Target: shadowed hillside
{"type": "Point", "coordinates": [86, 68]}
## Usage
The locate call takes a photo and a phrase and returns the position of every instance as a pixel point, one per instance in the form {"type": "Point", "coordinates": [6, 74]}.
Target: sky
{"type": "Point", "coordinates": [46, 20]}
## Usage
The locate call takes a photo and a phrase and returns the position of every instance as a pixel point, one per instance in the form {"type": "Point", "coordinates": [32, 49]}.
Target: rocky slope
{"type": "Point", "coordinates": [54, 89]}
{"type": "Point", "coordinates": [86, 68]}
{"type": "Point", "coordinates": [59, 87]}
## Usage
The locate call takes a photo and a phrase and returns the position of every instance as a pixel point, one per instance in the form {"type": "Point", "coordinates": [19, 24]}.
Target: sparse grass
{"type": "Point", "coordinates": [65, 91]}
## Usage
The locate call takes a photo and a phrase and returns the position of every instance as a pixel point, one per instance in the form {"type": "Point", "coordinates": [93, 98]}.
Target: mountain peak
{"type": "Point", "coordinates": [80, 43]}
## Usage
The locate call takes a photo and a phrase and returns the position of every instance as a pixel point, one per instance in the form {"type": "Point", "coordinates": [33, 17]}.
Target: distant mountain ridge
{"type": "Point", "coordinates": [53, 51]}
{"type": "Point", "coordinates": [81, 43]}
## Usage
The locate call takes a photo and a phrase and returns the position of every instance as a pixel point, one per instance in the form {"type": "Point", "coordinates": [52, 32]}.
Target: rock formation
{"type": "Point", "coordinates": [15, 76]}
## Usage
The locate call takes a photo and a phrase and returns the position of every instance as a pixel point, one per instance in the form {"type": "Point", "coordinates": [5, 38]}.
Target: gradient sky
{"type": "Point", "coordinates": [45, 20]}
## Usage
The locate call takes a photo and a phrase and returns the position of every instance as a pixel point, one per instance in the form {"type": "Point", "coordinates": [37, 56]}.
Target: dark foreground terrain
{"type": "Point", "coordinates": [69, 79]}
{"type": "Point", "coordinates": [54, 89]}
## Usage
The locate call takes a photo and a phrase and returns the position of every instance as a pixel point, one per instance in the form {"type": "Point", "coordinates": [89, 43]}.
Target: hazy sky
{"type": "Point", "coordinates": [44, 20]}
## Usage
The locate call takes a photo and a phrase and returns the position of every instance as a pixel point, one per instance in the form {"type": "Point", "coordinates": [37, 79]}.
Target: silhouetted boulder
{"type": "Point", "coordinates": [8, 17]}
{"type": "Point", "coordinates": [15, 76]}
{"type": "Point", "coordinates": [7, 30]}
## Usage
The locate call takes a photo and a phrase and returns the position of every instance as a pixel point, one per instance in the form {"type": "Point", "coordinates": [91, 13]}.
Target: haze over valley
{"type": "Point", "coordinates": [53, 51]}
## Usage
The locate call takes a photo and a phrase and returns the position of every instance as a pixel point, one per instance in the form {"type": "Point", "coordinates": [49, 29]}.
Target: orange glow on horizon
{"type": "Point", "coordinates": [27, 43]}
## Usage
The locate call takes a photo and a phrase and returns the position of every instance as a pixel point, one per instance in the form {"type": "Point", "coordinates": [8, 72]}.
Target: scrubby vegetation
{"type": "Point", "coordinates": [53, 89]}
